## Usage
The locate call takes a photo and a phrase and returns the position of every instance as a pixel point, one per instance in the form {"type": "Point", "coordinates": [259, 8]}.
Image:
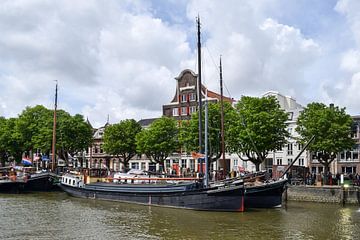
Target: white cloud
{"type": "Point", "coordinates": [120, 57]}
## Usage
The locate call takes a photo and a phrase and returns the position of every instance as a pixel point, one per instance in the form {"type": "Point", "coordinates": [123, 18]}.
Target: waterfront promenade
{"type": "Point", "coordinates": [324, 194]}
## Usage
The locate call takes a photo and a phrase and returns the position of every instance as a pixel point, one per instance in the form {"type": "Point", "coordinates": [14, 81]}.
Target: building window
{"type": "Point", "coordinates": [355, 156]}
{"type": "Point", "coordinates": [290, 115]}
{"type": "Point", "coordinates": [183, 163]}
{"type": "Point", "coordinates": [135, 165]}
{"type": "Point", "coordinates": [289, 161]}
{"type": "Point", "coordinates": [300, 146]}
{"type": "Point", "coordinates": [290, 149]}
{"type": "Point", "coordinates": [192, 109]}
{"type": "Point", "coordinates": [183, 111]}
{"type": "Point", "coordinates": [143, 166]}
{"type": "Point", "coordinates": [301, 162]}
{"type": "Point", "coordinates": [175, 111]}
{"type": "Point", "coordinates": [183, 98]}
{"type": "Point", "coordinates": [278, 161]}
{"type": "Point", "coordinates": [192, 97]}
{"type": "Point", "coordinates": [192, 164]}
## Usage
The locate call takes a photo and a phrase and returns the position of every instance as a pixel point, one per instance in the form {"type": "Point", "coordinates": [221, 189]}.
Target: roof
{"type": "Point", "coordinates": [146, 122]}
{"type": "Point", "coordinates": [212, 94]}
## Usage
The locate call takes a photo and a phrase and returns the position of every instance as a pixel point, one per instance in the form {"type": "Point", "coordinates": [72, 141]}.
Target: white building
{"type": "Point", "coordinates": [280, 159]}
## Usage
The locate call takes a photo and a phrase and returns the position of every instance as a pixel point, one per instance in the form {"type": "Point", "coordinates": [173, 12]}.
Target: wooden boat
{"type": "Point", "coordinates": [187, 193]}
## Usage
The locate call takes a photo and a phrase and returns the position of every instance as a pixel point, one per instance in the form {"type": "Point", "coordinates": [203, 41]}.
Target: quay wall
{"type": "Point", "coordinates": [323, 194]}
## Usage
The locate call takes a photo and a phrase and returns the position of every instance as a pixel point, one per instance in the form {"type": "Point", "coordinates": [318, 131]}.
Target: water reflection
{"type": "Point", "coordinates": [58, 216]}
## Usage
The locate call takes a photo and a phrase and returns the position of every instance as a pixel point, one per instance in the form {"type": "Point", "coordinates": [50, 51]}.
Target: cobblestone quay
{"type": "Point", "coordinates": [324, 194]}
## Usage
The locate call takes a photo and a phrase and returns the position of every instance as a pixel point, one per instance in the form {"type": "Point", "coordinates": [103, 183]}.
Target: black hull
{"type": "Point", "coordinates": [42, 182]}
{"type": "Point", "coordinates": [229, 199]}
{"type": "Point", "coordinates": [10, 187]}
{"type": "Point", "coordinates": [266, 196]}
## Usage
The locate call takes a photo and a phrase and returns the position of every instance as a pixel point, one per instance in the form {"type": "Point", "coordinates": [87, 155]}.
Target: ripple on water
{"type": "Point", "coordinates": [58, 216]}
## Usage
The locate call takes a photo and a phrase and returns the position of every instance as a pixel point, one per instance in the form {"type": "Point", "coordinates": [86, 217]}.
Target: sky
{"type": "Point", "coordinates": [120, 58]}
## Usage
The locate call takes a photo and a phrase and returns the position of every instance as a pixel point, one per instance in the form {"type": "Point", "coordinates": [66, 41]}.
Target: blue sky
{"type": "Point", "coordinates": [120, 57]}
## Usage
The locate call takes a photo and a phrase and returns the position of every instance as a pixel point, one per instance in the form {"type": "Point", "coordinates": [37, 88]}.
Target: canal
{"type": "Point", "coordinates": [55, 215]}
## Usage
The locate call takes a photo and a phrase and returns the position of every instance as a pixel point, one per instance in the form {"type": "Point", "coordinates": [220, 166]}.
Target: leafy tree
{"type": "Point", "coordinates": [189, 134]}
{"type": "Point", "coordinates": [11, 144]}
{"type": "Point", "coordinates": [30, 123]}
{"type": "Point", "coordinates": [34, 129]}
{"type": "Point", "coordinates": [73, 133]}
{"type": "Point", "coordinates": [258, 129]}
{"type": "Point", "coordinates": [120, 140]}
{"type": "Point", "coordinates": [331, 127]}
{"type": "Point", "coordinates": [159, 140]}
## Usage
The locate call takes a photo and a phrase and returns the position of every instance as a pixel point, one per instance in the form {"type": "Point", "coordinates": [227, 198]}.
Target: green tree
{"type": "Point", "coordinates": [34, 129]}
{"type": "Point", "coordinates": [259, 128]}
{"type": "Point", "coordinates": [189, 131]}
{"type": "Point", "coordinates": [11, 144]}
{"type": "Point", "coordinates": [331, 127]}
{"type": "Point", "coordinates": [120, 140]}
{"type": "Point", "coordinates": [31, 124]}
{"type": "Point", "coordinates": [159, 140]}
{"type": "Point", "coordinates": [73, 133]}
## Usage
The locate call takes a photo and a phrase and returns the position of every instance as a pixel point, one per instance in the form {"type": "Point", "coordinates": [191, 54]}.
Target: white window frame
{"type": "Point", "coordinates": [176, 111]}
{"type": "Point", "coordinates": [183, 113]}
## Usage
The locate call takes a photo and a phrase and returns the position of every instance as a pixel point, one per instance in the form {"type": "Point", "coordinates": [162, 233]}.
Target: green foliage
{"type": "Point", "coordinates": [331, 127]}
{"type": "Point", "coordinates": [119, 140]}
{"type": "Point", "coordinates": [159, 140]}
{"type": "Point", "coordinates": [73, 133]}
{"type": "Point", "coordinates": [33, 131]}
{"type": "Point", "coordinates": [11, 143]}
{"type": "Point", "coordinates": [189, 131]}
{"type": "Point", "coordinates": [259, 128]}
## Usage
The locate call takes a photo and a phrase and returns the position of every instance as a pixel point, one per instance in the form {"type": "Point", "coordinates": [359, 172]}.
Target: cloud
{"type": "Point", "coordinates": [120, 57]}
{"type": "Point", "coordinates": [112, 57]}
{"type": "Point", "coordinates": [259, 53]}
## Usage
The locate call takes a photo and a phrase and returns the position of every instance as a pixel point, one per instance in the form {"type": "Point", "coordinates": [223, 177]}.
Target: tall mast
{"type": "Point", "coordinates": [199, 84]}
{"type": "Point", "coordinates": [54, 131]}
{"type": "Point", "coordinates": [222, 119]}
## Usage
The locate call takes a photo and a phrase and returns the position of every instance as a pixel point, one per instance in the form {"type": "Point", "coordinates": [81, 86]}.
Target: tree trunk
{"type": "Point", "coordinates": [257, 165]}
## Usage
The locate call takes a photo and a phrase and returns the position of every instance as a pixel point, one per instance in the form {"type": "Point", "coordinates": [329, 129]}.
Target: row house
{"type": "Point", "coordinates": [347, 161]}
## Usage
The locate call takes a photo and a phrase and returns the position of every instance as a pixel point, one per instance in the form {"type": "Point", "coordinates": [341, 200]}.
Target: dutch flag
{"type": "Point", "coordinates": [26, 161]}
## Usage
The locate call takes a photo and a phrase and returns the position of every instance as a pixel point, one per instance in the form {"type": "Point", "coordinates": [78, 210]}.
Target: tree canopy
{"type": "Point", "coordinates": [159, 140]}
{"type": "Point", "coordinates": [120, 140]}
{"type": "Point", "coordinates": [331, 127]}
{"type": "Point", "coordinates": [32, 132]}
{"type": "Point", "coordinates": [259, 127]}
{"type": "Point", "coordinates": [189, 133]}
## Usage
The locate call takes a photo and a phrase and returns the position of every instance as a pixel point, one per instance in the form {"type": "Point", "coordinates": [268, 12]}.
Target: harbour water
{"type": "Point", "coordinates": [56, 215]}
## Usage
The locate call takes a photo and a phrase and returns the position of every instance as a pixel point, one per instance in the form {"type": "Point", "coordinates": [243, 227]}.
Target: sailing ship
{"type": "Point", "coordinates": [187, 193]}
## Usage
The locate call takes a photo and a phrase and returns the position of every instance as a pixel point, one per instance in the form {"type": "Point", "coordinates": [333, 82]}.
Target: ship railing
{"type": "Point", "coordinates": [151, 179]}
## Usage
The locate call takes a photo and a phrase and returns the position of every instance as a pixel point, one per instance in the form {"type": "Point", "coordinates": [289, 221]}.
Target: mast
{"type": "Point", "coordinates": [222, 119]}
{"type": "Point", "coordinates": [206, 177]}
{"type": "Point", "coordinates": [199, 84]}
{"type": "Point", "coordinates": [54, 132]}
